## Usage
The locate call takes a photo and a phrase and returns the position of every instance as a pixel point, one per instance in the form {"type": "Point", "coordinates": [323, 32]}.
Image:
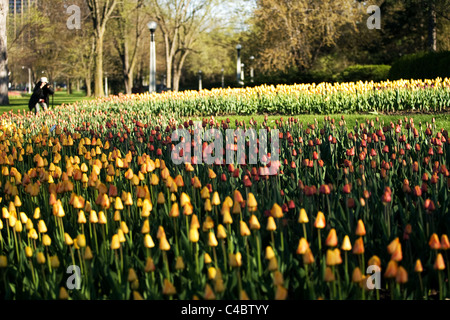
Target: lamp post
{"type": "Point", "coordinates": [223, 78]}
{"type": "Point", "coordinates": [238, 65]}
{"type": "Point", "coordinates": [199, 80]}
{"type": "Point", "coordinates": [106, 85]}
{"type": "Point", "coordinates": [242, 74]}
{"type": "Point", "coordinates": [252, 73]}
{"type": "Point", "coordinates": [152, 25]}
{"type": "Point", "coordinates": [29, 79]}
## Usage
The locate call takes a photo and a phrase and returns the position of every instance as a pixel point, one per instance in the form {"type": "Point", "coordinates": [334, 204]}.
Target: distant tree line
{"type": "Point", "coordinates": [81, 43]}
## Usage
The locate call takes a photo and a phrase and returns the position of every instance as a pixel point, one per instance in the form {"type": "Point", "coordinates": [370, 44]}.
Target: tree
{"type": "Point", "coordinates": [181, 23]}
{"type": "Point", "coordinates": [293, 33]}
{"type": "Point", "coordinates": [127, 35]}
{"type": "Point", "coordinates": [101, 11]}
{"type": "Point", "coordinates": [4, 79]}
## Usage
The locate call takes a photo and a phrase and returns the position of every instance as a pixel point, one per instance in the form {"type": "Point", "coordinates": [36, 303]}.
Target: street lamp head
{"type": "Point", "coordinates": [238, 47]}
{"type": "Point", "coordinates": [152, 25]}
{"type": "Point", "coordinates": [252, 57]}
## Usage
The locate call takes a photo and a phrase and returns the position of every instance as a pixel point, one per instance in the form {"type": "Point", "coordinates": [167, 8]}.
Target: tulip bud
{"type": "Point", "coordinates": [308, 257]}
{"type": "Point", "coordinates": [445, 244]}
{"type": "Point", "coordinates": [46, 241]}
{"type": "Point", "coordinates": [358, 247]}
{"type": "Point", "coordinates": [28, 252]}
{"type": "Point", "coordinates": [254, 223]}
{"type": "Point", "coordinates": [418, 266]}
{"type": "Point", "coordinates": [434, 242]}
{"type": "Point", "coordinates": [40, 258]}
{"type": "Point", "coordinates": [303, 217]}
{"type": "Point", "coordinates": [54, 262]}
{"type": "Point", "coordinates": [276, 211]}
{"type": "Point", "coordinates": [357, 275]}
{"type": "Point", "coordinates": [168, 288]}
{"type": "Point", "coordinates": [88, 254]}
{"type": "Point", "coordinates": [402, 275]}
{"type": "Point", "coordinates": [331, 240]}
{"type": "Point", "coordinates": [81, 240]}
{"type": "Point", "coordinates": [212, 273]}
{"type": "Point", "coordinates": [193, 235]}
{"type": "Point", "coordinates": [63, 294]}
{"type": "Point", "coordinates": [221, 233]}
{"type": "Point", "coordinates": [393, 246]}
{"type": "Point", "coordinates": [391, 270]}
{"type": "Point", "coordinates": [164, 244]}
{"type": "Point", "coordinates": [439, 263]}
{"type": "Point", "coordinates": [281, 293]}
{"type": "Point", "coordinates": [273, 264]}
{"type": "Point", "coordinates": [3, 261]}
{"type": "Point", "coordinates": [244, 230]}
{"type": "Point", "coordinates": [212, 241]}
{"type": "Point", "coordinates": [115, 243]}
{"type": "Point", "coordinates": [329, 275]}
{"type": "Point", "coordinates": [269, 253]}
{"type": "Point", "coordinates": [360, 229]}
{"type": "Point", "coordinates": [271, 225]}
{"type": "Point", "coordinates": [207, 258]}
{"type": "Point", "coordinates": [320, 223]}
{"type": "Point", "coordinates": [149, 265]}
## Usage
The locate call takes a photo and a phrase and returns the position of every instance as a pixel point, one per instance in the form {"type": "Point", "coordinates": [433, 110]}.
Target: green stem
{"type": "Point", "coordinates": [258, 251]}
{"type": "Point", "coordinates": [441, 286]}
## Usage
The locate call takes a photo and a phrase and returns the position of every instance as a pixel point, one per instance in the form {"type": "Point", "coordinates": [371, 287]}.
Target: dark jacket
{"type": "Point", "coordinates": [40, 93]}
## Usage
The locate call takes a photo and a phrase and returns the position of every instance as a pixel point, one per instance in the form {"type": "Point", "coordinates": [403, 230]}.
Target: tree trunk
{"type": "Point", "coordinates": [98, 73]}
{"type": "Point", "coordinates": [129, 82]}
{"type": "Point", "coordinates": [127, 72]}
{"type": "Point", "coordinates": [432, 33]}
{"type": "Point", "coordinates": [178, 70]}
{"type": "Point", "coordinates": [69, 87]}
{"type": "Point", "coordinates": [169, 59]}
{"type": "Point", "coordinates": [4, 79]}
{"type": "Point", "coordinates": [88, 86]}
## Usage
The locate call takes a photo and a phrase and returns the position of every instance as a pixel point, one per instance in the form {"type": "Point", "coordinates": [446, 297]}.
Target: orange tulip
{"type": "Point", "coordinates": [331, 240]}
{"type": "Point", "coordinates": [244, 230]}
{"type": "Point", "coordinates": [397, 255]}
{"type": "Point", "coordinates": [393, 245]}
{"type": "Point", "coordinates": [391, 270]}
{"type": "Point", "coordinates": [434, 242]}
{"type": "Point", "coordinates": [320, 222]}
{"type": "Point", "coordinates": [360, 229]}
{"type": "Point", "coordinates": [346, 244]}
{"type": "Point", "coordinates": [358, 247]}
{"type": "Point", "coordinates": [445, 244]}
{"type": "Point", "coordinates": [439, 263]}
{"type": "Point", "coordinates": [271, 225]}
{"type": "Point", "coordinates": [303, 246]}
{"type": "Point", "coordinates": [418, 266]}
{"type": "Point", "coordinates": [276, 211]}
{"type": "Point", "coordinates": [254, 223]}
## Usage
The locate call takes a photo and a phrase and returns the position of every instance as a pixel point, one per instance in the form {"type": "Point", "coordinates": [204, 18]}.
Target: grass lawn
{"type": "Point", "coordinates": [442, 120]}
{"type": "Point", "coordinates": [21, 103]}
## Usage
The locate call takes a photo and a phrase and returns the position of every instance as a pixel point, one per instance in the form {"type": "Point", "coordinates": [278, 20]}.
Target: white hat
{"type": "Point", "coordinates": [44, 79]}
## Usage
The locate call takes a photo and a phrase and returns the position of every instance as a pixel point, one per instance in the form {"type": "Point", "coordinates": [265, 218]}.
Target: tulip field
{"type": "Point", "coordinates": [357, 213]}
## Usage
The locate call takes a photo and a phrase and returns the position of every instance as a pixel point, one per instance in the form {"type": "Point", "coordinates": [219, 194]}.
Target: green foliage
{"type": "Point", "coordinates": [421, 65]}
{"type": "Point", "coordinates": [364, 73]}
